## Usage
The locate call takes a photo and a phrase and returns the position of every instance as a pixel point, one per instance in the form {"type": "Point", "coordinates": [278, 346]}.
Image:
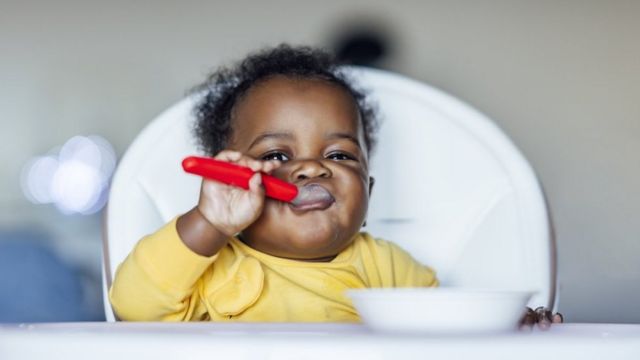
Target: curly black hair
{"type": "Point", "coordinates": [224, 88]}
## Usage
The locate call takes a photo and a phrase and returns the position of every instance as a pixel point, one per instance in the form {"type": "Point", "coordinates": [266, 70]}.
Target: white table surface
{"type": "Point", "coordinates": [117, 341]}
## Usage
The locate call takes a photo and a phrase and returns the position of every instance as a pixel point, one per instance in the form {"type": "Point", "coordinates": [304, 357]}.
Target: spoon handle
{"type": "Point", "coordinates": [239, 176]}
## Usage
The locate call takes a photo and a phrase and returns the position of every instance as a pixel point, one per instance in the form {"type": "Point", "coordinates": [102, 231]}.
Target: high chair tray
{"type": "Point", "coordinates": [117, 341]}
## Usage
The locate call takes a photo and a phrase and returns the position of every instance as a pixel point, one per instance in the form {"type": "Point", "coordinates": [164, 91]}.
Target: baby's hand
{"type": "Point", "coordinates": [540, 316]}
{"type": "Point", "coordinates": [231, 209]}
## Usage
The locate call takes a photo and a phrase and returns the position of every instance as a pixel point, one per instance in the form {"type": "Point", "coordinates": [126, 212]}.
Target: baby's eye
{"type": "Point", "coordinates": [276, 155]}
{"type": "Point", "coordinates": [340, 156]}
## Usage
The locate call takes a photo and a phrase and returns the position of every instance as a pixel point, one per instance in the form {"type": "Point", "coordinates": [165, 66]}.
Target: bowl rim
{"type": "Point", "coordinates": [440, 292]}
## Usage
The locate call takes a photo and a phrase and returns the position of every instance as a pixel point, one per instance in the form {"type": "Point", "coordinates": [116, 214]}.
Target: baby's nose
{"type": "Point", "coordinates": [308, 169]}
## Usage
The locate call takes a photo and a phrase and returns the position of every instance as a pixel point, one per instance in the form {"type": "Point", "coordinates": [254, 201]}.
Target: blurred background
{"type": "Point", "coordinates": [80, 79]}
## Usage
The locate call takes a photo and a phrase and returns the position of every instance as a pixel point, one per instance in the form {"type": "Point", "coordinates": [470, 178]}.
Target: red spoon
{"type": "Point", "coordinates": [236, 175]}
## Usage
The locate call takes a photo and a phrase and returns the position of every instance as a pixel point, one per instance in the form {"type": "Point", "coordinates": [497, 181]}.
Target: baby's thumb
{"type": "Point", "coordinates": [255, 185]}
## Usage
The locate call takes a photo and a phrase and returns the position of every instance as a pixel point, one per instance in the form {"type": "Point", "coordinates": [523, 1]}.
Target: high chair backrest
{"type": "Point", "coordinates": [450, 188]}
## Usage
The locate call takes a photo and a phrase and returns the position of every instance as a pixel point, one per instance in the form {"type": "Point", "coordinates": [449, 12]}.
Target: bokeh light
{"type": "Point", "coordinates": [75, 187]}
{"type": "Point", "coordinates": [75, 179]}
{"type": "Point", "coordinates": [37, 177]}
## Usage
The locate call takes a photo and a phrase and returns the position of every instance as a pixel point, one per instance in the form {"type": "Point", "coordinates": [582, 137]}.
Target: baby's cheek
{"type": "Point", "coordinates": [354, 215]}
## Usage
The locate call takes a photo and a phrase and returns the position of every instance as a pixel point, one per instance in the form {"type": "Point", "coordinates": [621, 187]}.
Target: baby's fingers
{"type": "Point", "coordinates": [557, 318]}
{"type": "Point", "coordinates": [229, 156]}
{"type": "Point", "coordinates": [265, 166]}
{"type": "Point", "coordinates": [256, 191]}
{"type": "Point", "coordinates": [255, 182]}
{"type": "Point", "coordinates": [259, 165]}
{"type": "Point", "coordinates": [541, 318]}
{"type": "Point", "coordinates": [528, 319]}
{"type": "Point", "coordinates": [546, 318]}
{"type": "Point", "coordinates": [251, 163]}
{"type": "Point", "coordinates": [240, 159]}
{"type": "Point", "coordinates": [247, 161]}
{"type": "Point", "coordinates": [269, 166]}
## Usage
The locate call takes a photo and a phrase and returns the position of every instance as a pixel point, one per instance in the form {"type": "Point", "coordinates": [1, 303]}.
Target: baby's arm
{"type": "Point", "coordinates": [409, 272]}
{"type": "Point", "coordinates": [388, 265]}
{"type": "Point", "coordinates": [160, 279]}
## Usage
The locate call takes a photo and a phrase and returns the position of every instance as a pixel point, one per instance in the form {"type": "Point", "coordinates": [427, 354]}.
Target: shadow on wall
{"type": "Point", "coordinates": [38, 286]}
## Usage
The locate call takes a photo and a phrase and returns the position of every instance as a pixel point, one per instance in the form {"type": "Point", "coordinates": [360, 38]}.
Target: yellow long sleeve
{"type": "Point", "coordinates": [164, 280]}
{"type": "Point", "coordinates": [159, 279]}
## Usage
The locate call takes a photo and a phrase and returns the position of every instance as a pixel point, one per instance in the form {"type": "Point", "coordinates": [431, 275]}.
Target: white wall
{"type": "Point", "coordinates": [561, 78]}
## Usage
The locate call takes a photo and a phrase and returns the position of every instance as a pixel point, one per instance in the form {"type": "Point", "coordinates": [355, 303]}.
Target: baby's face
{"type": "Point", "coordinates": [314, 128]}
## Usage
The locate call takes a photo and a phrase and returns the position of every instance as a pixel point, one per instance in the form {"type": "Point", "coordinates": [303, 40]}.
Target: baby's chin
{"type": "Point", "coordinates": [312, 241]}
{"type": "Point", "coordinates": [311, 234]}
{"type": "Point", "coordinates": [309, 250]}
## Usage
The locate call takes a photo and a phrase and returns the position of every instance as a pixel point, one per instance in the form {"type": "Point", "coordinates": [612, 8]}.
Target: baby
{"type": "Point", "coordinates": [288, 112]}
{"type": "Point", "coordinates": [238, 256]}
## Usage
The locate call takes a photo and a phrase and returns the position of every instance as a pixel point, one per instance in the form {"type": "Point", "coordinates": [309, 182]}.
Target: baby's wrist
{"type": "Point", "coordinates": [212, 225]}
{"type": "Point", "coordinates": [198, 234]}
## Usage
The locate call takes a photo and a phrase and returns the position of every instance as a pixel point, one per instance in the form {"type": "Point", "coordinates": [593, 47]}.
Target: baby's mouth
{"type": "Point", "coordinates": [312, 197]}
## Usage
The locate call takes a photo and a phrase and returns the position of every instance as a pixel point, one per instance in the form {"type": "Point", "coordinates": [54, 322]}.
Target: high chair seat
{"type": "Point", "coordinates": [450, 188]}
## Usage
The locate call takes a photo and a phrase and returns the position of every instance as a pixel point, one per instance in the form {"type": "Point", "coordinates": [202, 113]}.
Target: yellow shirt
{"type": "Point", "coordinates": [162, 279]}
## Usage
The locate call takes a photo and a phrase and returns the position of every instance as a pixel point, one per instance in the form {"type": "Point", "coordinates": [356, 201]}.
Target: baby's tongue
{"type": "Point", "coordinates": [314, 196]}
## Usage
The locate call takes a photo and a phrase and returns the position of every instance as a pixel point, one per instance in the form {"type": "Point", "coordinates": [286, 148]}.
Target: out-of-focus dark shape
{"type": "Point", "coordinates": [36, 285]}
{"type": "Point", "coordinates": [363, 45]}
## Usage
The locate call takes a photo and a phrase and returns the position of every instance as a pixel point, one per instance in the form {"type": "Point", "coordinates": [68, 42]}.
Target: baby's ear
{"type": "Point", "coordinates": [372, 181]}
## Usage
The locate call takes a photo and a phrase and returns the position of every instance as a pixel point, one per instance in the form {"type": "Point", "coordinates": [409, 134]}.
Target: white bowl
{"type": "Point", "coordinates": [440, 310]}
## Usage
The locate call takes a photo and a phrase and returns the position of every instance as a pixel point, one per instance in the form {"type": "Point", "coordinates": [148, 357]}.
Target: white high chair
{"type": "Point", "coordinates": [450, 188]}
